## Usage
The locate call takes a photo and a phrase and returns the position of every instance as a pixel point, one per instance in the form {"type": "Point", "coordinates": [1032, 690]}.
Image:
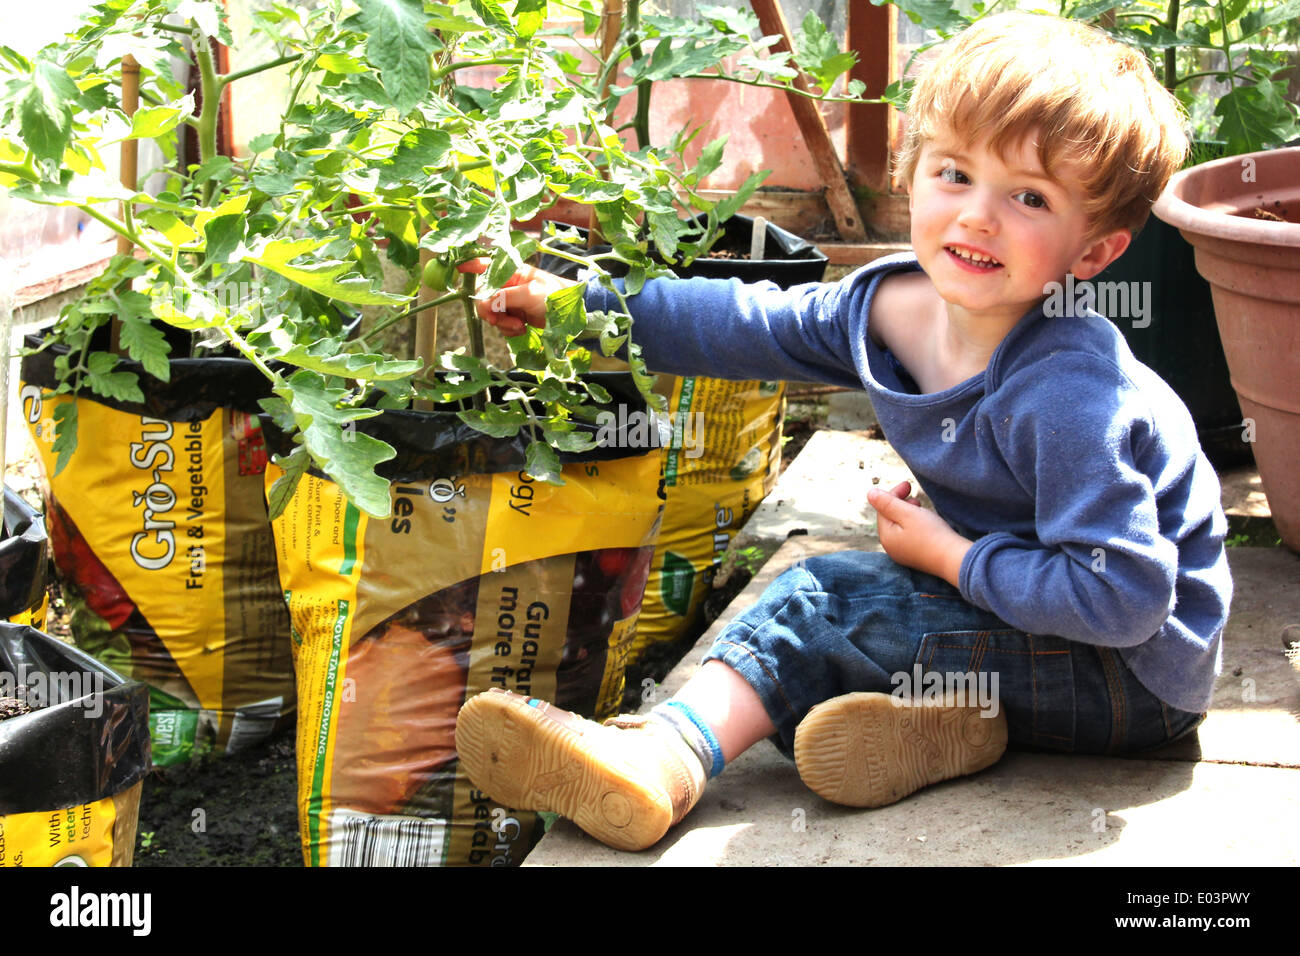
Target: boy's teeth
{"type": "Point", "coordinates": [974, 257]}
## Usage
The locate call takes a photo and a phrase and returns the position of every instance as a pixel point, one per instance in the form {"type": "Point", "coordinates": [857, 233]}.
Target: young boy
{"type": "Point", "coordinates": [1077, 552]}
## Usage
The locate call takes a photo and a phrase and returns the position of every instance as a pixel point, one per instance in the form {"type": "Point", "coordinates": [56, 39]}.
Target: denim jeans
{"type": "Point", "coordinates": [857, 621]}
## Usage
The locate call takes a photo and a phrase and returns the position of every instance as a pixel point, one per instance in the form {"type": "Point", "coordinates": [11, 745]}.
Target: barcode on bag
{"type": "Point", "coordinates": [361, 839]}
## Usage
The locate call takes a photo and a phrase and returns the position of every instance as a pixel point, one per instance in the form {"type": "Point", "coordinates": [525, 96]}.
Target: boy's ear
{"type": "Point", "coordinates": [1101, 253]}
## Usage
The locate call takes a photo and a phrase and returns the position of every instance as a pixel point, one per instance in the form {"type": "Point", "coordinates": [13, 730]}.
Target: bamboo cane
{"type": "Point", "coordinates": [130, 163]}
{"type": "Point", "coordinates": [611, 26]}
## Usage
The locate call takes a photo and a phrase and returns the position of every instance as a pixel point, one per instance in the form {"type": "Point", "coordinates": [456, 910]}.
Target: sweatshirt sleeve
{"type": "Point", "coordinates": [1100, 571]}
{"type": "Point", "coordinates": [729, 329]}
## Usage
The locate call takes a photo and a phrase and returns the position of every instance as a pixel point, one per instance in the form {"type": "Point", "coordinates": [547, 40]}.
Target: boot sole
{"type": "Point", "coordinates": [528, 761]}
{"type": "Point", "coordinates": [865, 750]}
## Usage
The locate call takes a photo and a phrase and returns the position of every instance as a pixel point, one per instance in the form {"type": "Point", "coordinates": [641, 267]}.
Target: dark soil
{"type": "Point", "coordinates": [223, 810]}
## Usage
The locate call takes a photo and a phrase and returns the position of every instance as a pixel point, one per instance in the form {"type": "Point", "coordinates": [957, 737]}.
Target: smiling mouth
{"type": "Point", "coordinates": [979, 260]}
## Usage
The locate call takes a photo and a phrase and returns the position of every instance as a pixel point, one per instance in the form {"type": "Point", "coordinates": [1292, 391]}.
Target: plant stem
{"type": "Point", "coordinates": [641, 123]}
{"type": "Point", "coordinates": [474, 326]}
{"type": "Point", "coordinates": [1171, 53]}
{"type": "Point", "coordinates": [788, 89]}
{"type": "Point", "coordinates": [22, 172]}
{"type": "Point", "coordinates": [438, 75]}
{"type": "Point", "coordinates": [211, 91]}
{"type": "Point", "coordinates": [293, 96]}
{"type": "Point", "coordinates": [1196, 76]}
{"type": "Point", "coordinates": [394, 319]}
{"type": "Point", "coordinates": [228, 78]}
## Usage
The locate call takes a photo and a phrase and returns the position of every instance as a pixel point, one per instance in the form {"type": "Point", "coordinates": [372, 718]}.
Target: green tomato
{"type": "Point", "coordinates": [439, 275]}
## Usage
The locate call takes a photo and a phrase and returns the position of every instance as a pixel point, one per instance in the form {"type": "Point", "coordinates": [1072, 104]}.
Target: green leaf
{"type": "Point", "coordinates": [575, 442]}
{"type": "Point", "coordinates": [398, 43]}
{"type": "Point", "coordinates": [103, 381]}
{"type": "Point", "coordinates": [1092, 9]}
{"type": "Point", "coordinates": [529, 16]}
{"type": "Point", "coordinates": [218, 168]}
{"type": "Point", "coordinates": [494, 15]}
{"type": "Point", "coordinates": [325, 358]}
{"type": "Point", "coordinates": [259, 143]}
{"type": "Point", "coordinates": [417, 150]}
{"type": "Point", "coordinates": [736, 20]}
{"type": "Point", "coordinates": [1232, 9]}
{"type": "Point", "coordinates": [280, 412]}
{"type": "Point", "coordinates": [496, 422]}
{"type": "Point", "coordinates": [331, 278]}
{"type": "Point", "coordinates": [224, 236]}
{"type": "Point", "coordinates": [941, 16]}
{"type": "Point", "coordinates": [565, 314]}
{"type": "Point", "coordinates": [294, 465]}
{"type": "Point", "coordinates": [1267, 15]}
{"type": "Point", "coordinates": [342, 63]}
{"type": "Point", "coordinates": [710, 159]}
{"type": "Point", "coordinates": [45, 112]}
{"type": "Point", "coordinates": [819, 55]}
{"type": "Point", "coordinates": [453, 231]}
{"type": "Point", "coordinates": [273, 183]}
{"type": "Point", "coordinates": [1254, 117]}
{"type": "Point", "coordinates": [728, 207]}
{"type": "Point", "coordinates": [541, 461]}
{"type": "Point", "coordinates": [65, 434]}
{"type": "Point", "coordinates": [151, 122]}
{"type": "Point", "coordinates": [665, 228]}
{"type": "Point", "coordinates": [145, 342]}
{"type": "Point", "coordinates": [329, 434]}
{"type": "Point", "coordinates": [446, 20]}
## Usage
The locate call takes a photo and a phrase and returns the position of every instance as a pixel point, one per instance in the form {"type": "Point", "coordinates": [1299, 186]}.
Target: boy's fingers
{"type": "Point", "coordinates": [474, 266]}
{"type": "Point", "coordinates": [887, 504]}
{"type": "Point", "coordinates": [901, 490]}
{"type": "Point", "coordinates": [502, 310]}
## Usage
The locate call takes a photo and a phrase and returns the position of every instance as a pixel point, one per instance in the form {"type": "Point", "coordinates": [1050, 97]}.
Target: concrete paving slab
{"type": "Point", "coordinates": [824, 491]}
{"type": "Point", "coordinates": [1243, 493]}
{"type": "Point", "coordinates": [1028, 809]}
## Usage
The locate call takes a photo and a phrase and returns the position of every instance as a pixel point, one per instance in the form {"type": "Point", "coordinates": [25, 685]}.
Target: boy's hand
{"type": "Point", "coordinates": [522, 301]}
{"type": "Point", "coordinates": [917, 538]}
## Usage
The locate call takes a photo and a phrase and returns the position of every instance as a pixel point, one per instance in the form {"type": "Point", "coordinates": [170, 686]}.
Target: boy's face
{"type": "Point", "coordinates": [991, 234]}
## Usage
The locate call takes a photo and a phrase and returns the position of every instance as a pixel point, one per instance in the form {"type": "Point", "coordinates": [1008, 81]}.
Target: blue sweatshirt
{"type": "Point", "coordinates": [1073, 468]}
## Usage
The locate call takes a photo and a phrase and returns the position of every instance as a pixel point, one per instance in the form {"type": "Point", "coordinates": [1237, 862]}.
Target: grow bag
{"type": "Point", "coordinates": [725, 452]}
{"type": "Point", "coordinates": [159, 528]}
{"type": "Point", "coordinates": [70, 768]}
{"type": "Point", "coordinates": [23, 598]}
{"type": "Point", "coordinates": [480, 578]}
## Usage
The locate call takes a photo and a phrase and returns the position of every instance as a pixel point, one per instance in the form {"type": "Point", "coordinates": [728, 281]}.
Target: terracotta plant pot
{"type": "Point", "coordinates": [1252, 263]}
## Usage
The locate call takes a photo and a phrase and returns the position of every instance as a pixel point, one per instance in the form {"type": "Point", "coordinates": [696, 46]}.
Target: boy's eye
{"type": "Point", "coordinates": [1032, 199]}
{"type": "Point", "coordinates": [951, 174]}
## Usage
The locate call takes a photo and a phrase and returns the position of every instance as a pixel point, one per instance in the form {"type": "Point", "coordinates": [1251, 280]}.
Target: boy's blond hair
{"type": "Point", "coordinates": [1089, 98]}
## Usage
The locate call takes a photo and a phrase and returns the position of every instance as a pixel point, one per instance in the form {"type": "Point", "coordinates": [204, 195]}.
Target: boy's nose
{"type": "Point", "coordinates": [977, 212]}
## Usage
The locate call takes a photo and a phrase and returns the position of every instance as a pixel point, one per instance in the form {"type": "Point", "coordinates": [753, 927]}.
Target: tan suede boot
{"type": "Point", "coordinates": [625, 782]}
{"type": "Point", "coordinates": [870, 750]}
